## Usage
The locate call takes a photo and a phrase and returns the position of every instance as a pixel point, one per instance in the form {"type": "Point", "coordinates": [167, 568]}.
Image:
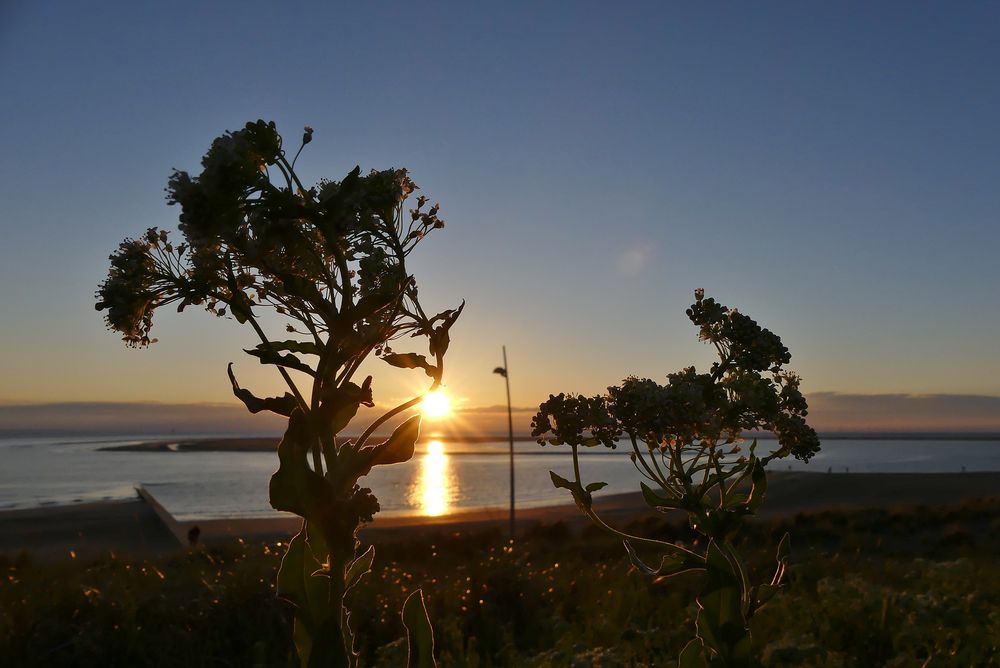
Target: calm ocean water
{"type": "Point", "coordinates": [442, 478]}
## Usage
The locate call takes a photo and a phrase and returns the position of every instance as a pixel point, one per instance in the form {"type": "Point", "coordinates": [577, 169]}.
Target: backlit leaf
{"type": "Point", "coordinates": [419, 632]}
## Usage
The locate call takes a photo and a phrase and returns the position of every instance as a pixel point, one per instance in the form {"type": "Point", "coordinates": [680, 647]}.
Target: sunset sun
{"type": "Point", "coordinates": [436, 405]}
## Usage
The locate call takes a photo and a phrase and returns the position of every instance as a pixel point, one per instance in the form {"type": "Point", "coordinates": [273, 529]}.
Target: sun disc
{"type": "Point", "coordinates": [435, 405]}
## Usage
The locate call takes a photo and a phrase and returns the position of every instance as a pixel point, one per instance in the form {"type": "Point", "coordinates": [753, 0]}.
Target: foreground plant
{"type": "Point", "coordinates": [331, 261]}
{"type": "Point", "coordinates": [687, 442]}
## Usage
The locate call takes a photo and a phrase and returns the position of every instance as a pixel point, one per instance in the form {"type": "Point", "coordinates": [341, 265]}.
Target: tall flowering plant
{"type": "Point", "coordinates": [687, 442]}
{"type": "Point", "coordinates": [331, 261]}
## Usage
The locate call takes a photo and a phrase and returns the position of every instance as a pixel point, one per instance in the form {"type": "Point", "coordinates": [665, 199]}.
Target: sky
{"type": "Point", "coordinates": [828, 168]}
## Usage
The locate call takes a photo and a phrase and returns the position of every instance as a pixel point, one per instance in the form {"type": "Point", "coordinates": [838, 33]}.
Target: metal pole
{"type": "Point", "coordinates": [510, 431]}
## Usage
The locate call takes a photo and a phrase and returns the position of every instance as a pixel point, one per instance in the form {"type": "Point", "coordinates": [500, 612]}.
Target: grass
{"type": "Point", "coordinates": [917, 587]}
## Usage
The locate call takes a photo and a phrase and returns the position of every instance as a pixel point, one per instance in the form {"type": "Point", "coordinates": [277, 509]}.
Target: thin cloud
{"type": "Point", "coordinates": [634, 260]}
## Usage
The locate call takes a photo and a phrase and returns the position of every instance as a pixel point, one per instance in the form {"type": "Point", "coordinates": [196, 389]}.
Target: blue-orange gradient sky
{"type": "Point", "coordinates": [829, 168]}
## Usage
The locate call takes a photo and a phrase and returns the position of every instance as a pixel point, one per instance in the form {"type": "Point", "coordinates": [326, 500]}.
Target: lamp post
{"type": "Point", "coordinates": [502, 370]}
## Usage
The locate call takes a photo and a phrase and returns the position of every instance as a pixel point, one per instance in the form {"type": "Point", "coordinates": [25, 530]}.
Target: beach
{"type": "Point", "coordinates": [139, 528]}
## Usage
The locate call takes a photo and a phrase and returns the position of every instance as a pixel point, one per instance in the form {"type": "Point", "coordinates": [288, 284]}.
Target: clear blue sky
{"type": "Point", "coordinates": [829, 168]}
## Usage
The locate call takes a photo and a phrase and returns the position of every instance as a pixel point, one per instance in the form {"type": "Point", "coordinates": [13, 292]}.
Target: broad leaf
{"type": "Point", "coordinates": [298, 583]}
{"type": "Point", "coordinates": [400, 446]}
{"type": "Point", "coordinates": [721, 625]}
{"type": "Point", "coordinates": [294, 487]}
{"type": "Point", "coordinates": [419, 633]}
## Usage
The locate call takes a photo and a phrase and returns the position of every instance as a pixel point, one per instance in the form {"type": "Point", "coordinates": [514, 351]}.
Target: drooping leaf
{"type": "Point", "coordinates": [281, 405]}
{"type": "Point", "coordinates": [411, 361]}
{"type": "Point", "coordinates": [303, 347]}
{"type": "Point", "coordinates": [419, 632]}
{"type": "Point", "coordinates": [439, 338]}
{"type": "Point", "coordinates": [289, 361]}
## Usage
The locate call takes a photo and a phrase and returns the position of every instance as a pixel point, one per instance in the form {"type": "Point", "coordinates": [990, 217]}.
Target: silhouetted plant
{"type": "Point", "coordinates": [686, 438]}
{"type": "Point", "coordinates": [330, 260]}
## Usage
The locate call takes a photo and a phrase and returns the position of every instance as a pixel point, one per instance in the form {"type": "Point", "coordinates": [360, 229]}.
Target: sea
{"type": "Point", "coordinates": [442, 478]}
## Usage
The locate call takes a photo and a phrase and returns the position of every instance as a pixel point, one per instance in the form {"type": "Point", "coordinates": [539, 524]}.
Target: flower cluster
{"type": "Point", "coordinates": [128, 292]}
{"type": "Point", "coordinates": [314, 255]}
{"type": "Point", "coordinates": [747, 390]}
{"type": "Point", "coordinates": [571, 419]}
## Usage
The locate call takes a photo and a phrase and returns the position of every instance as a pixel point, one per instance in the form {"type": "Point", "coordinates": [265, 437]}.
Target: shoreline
{"type": "Point", "coordinates": [140, 528]}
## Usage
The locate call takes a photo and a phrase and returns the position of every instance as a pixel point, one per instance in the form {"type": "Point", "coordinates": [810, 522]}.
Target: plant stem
{"type": "Point", "coordinates": [601, 524]}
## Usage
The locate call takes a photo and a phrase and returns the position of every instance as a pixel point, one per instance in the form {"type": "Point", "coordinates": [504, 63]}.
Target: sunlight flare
{"type": "Point", "coordinates": [436, 405]}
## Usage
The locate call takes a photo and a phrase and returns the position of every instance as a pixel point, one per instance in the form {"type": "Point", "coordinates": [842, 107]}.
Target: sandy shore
{"type": "Point", "coordinates": [142, 529]}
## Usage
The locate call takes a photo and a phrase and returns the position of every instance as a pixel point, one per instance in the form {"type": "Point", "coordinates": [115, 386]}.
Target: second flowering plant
{"type": "Point", "coordinates": [687, 441]}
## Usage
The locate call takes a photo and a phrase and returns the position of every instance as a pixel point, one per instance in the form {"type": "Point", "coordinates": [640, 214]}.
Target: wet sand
{"type": "Point", "coordinates": [138, 527]}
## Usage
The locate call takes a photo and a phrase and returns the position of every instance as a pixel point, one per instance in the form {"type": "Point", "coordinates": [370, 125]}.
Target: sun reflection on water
{"type": "Point", "coordinates": [435, 486]}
